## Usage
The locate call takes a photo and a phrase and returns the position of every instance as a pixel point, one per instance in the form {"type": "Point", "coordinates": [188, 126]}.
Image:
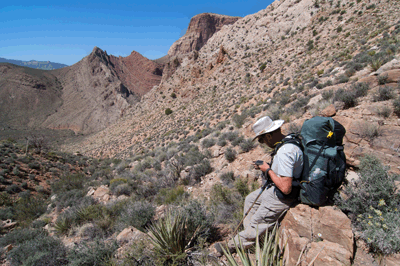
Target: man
{"type": "Point", "coordinates": [287, 165]}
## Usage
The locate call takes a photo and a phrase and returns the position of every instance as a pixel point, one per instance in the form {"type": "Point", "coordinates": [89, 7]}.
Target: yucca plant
{"type": "Point", "coordinates": [269, 254]}
{"type": "Point", "coordinates": [168, 235]}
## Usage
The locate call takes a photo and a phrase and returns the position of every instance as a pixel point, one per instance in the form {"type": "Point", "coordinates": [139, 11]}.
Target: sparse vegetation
{"type": "Point", "coordinates": [372, 202]}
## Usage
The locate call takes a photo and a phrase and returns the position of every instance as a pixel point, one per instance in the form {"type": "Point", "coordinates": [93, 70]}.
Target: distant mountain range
{"type": "Point", "coordinates": [45, 65]}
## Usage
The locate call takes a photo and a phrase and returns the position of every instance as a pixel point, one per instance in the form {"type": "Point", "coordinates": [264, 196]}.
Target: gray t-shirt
{"type": "Point", "coordinates": [288, 161]}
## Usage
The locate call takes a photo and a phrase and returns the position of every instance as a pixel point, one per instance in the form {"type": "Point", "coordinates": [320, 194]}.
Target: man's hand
{"type": "Point", "coordinates": [282, 182]}
{"type": "Point", "coordinates": [263, 167]}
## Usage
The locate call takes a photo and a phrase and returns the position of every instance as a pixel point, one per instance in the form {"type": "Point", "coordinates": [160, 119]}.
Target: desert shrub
{"type": "Point", "coordinates": [137, 214]}
{"type": "Point", "coordinates": [201, 169]}
{"type": "Point", "coordinates": [231, 136]}
{"type": "Point", "coordinates": [396, 106]}
{"type": "Point", "coordinates": [242, 187]}
{"type": "Point", "coordinates": [70, 198]}
{"type": "Point", "coordinates": [360, 89]}
{"type": "Point", "coordinates": [171, 195]}
{"type": "Point", "coordinates": [237, 141]}
{"type": "Point", "coordinates": [13, 188]}
{"type": "Point", "coordinates": [68, 182]}
{"type": "Point", "coordinates": [230, 154]}
{"type": "Point", "coordinates": [247, 145]}
{"type": "Point", "coordinates": [301, 102]}
{"type": "Point", "coordinates": [383, 111]}
{"type": "Point", "coordinates": [384, 93]}
{"type": "Point", "coordinates": [200, 222]}
{"type": "Point", "coordinates": [34, 165]}
{"type": "Point", "coordinates": [342, 79]}
{"type": "Point", "coordinates": [383, 79]}
{"type": "Point", "coordinates": [368, 130]}
{"type": "Point", "coordinates": [192, 156]}
{"type": "Point", "coordinates": [226, 204]}
{"type": "Point", "coordinates": [98, 252]}
{"type": "Point", "coordinates": [20, 235]}
{"type": "Point", "coordinates": [238, 120]}
{"type": "Point", "coordinates": [221, 142]}
{"type": "Point", "coordinates": [347, 97]}
{"type": "Point", "coordinates": [168, 111]}
{"type": "Point", "coordinates": [209, 142]}
{"type": "Point", "coordinates": [372, 202]}
{"type": "Point", "coordinates": [123, 189]}
{"type": "Point", "coordinates": [39, 250]}
{"type": "Point", "coordinates": [227, 177]}
{"type": "Point", "coordinates": [28, 208]}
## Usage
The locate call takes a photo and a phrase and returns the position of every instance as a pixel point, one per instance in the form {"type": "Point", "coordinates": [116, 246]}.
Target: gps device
{"type": "Point", "coordinates": [259, 162]}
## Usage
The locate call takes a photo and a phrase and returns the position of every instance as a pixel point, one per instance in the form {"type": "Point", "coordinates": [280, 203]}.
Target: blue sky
{"type": "Point", "coordinates": [66, 32]}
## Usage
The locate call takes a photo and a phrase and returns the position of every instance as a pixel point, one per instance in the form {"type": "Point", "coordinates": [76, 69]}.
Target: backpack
{"type": "Point", "coordinates": [324, 166]}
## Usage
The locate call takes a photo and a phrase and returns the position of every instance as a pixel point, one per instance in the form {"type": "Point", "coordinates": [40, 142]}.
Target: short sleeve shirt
{"type": "Point", "coordinates": [288, 161]}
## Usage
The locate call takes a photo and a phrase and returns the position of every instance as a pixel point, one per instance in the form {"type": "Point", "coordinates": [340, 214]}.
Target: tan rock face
{"type": "Point", "coordinates": [130, 234]}
{"type": "Point", "coordinates": [324, 233]}
{"type": "Point", "coordinates": [201, 28]}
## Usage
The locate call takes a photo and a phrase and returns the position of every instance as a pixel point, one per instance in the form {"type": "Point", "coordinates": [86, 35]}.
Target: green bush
{"type": "Point", "coordinates": [171, 195]}
{"type": "Point", "coordinates": [247, 145]}
{"type": "Point", "coordinates": [230, 154]}
{"type": "Point", "coordinates": [39, 250]}
{"type": "Point", "coordinates": [26, 209]}
{"type": "Point", "coordinates": [383, 79]}
{"type": "Point", "coordinates": [384, 111]}
{"type": "Point", "coordinates": [384, 93]}
{"type": "Point", "coordinates": [227, 177]}
{"type": "Point", "coordinates": [360, 89]}
{"type": "Point", "coordinates": [168, 111]}
{"type": "Point", "coordinates": [137, 214]}
{"type": "Point", "coordinates": [98, 252]}
{"type": "Point", "coordinates": [68, 182]}
{"type": "Point", "coordinates": [372, 202]}
{"type": "Point", "coordinates": [347, 97]}
{"type": "Point", "coordinates": [396, 106]}
{"type": "Point", "coordinates": [201, 169]}
{"type": "Point", "coordinates": [200, 222]}
{"type": "Point", "coordinates": [209, 142]}
{"type": "Point", "coordinates": [368, 130]}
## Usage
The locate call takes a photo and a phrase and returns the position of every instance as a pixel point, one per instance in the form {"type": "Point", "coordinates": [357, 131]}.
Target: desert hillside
{"type": "Point", "coordinates": [287, 61]}
{"type": "Point", "coordinates": [175, 155]}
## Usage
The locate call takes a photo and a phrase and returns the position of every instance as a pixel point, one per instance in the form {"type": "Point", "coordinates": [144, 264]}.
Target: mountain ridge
{"type": "Point", "coordinates": [45, 65]}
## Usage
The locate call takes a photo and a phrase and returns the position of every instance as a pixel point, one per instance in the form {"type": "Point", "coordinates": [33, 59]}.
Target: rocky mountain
{"type": "Point", "coordinates": [45, 65]}
{"type": "Point", "coordinates": [189, 138]}
{"type": "Point", "coordinates": [200, 29]}
{"type": "Point", "coordinates": [85, 97]}
{"type": "Point", "coordinates": [288, 61]}
{"type": "Point", "coordinates": [27, 96]}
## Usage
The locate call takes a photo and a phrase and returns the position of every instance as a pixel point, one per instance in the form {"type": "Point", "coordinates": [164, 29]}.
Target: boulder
{"type": "Point", "coordinates": [329, 111]}
{"type": "Point", "coordinates": [102, 193]}
{"type": "Point", "coordinates": [130, 234]}
{"type": "Point", "coordinates": [323, 234]}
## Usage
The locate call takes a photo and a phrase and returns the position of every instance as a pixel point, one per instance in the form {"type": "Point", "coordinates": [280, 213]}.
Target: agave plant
{"type": "Point", "coordinates": [168, 235]}
{"type": "Point", "coordinates": [269, 254]}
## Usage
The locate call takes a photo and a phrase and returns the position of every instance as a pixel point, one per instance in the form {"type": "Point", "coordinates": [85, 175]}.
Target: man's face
{"type": "Point", "coordinates": [266, 139]}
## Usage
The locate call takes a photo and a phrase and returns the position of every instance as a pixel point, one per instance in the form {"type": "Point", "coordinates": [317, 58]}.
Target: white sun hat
{"type": "Point", "coordinates": [265, 125]}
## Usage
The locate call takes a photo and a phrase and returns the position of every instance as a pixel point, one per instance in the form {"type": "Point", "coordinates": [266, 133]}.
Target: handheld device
{"type": "Point", "coordinates": [259, 162]}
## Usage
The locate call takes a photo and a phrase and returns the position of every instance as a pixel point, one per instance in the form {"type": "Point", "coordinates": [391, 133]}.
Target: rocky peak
{"type": "Point", "coordinates": [201, 28]}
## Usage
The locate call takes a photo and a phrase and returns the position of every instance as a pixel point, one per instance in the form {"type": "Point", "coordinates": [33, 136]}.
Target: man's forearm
{"type": "Point", "coordinates": [283, 183]}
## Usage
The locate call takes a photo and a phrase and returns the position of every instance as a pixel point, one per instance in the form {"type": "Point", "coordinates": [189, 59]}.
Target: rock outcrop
{"type": "Point", "coordinates": [201, 28]}
{"type": "Point", "coordinates": [137, 73]}
{"type": "Point", "coordinates": [323, 235]}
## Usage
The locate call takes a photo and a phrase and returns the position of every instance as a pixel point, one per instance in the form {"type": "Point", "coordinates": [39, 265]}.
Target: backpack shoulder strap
{"type": "Point", "coordinates": [292, 138]}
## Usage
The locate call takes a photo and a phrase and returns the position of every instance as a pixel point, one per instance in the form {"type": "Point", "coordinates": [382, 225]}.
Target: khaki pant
{"type": "Point", "coordinates": [261, 217]}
